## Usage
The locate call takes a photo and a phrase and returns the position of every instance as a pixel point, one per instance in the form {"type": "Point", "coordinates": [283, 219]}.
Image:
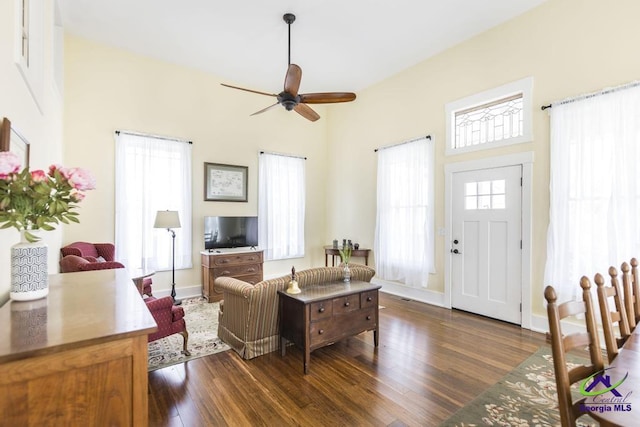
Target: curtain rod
{"type": "Point", "coordinates": [283, 155]}
{"type": "Point", "coordinates": [403, 142]}
{"type": "Point", "coordinates": [147, 135]}
{"type": "Point", "coordinates": [592, 95]}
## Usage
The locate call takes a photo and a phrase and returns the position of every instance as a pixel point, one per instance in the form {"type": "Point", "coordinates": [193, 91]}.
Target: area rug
{"type": "Point", "coordinates": [526, 396]}
{"type": "Point", "coordinates": [202, 324]}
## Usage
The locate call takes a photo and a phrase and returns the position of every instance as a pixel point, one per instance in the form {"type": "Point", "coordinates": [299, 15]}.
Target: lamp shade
{"type": "Point", "coordinates": [167, 219]}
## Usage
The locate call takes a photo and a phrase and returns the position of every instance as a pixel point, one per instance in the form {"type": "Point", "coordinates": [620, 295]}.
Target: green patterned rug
{"type": "Point", "coordinates": [526, 396]}
{"type": "Point", "coordinates": [202, 324]}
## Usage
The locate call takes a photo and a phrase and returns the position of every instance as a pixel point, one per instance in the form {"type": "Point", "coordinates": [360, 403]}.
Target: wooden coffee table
{"type": "Point", "coordinates": [323, 314]}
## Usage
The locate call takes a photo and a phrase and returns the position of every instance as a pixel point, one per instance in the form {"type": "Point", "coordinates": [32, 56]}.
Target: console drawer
{"type": "Point", "coordinates": [238, 270]}
{"type": "Point", "coordinates": [235, 259]}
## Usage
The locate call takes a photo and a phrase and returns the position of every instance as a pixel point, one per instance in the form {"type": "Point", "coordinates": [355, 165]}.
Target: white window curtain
{"type": "Point", "coordinates": [152, 174]}
{"type": "Point", "coordinates": [595, 188]}
{"type": "Point", "coordinates": [404, 238]}
{"type": "Point", "coordinates": [281, 205]}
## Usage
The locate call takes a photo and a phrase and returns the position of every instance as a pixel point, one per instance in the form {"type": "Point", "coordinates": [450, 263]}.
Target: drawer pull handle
{"type": "Point", "coordinates": [369, 299]}
{"type": "Point", "coordinates": [346, 304]}
{"type": "Point", "coordinates": [321, 310]}
{"type": "Point", "coordinates": [225, 273]}
{"type": "Point", "coordinates": [368, 317]}
{"type": "Point", "coordinates": [251, 270]}
{"type": "Point", "coordinates": [321, 331]}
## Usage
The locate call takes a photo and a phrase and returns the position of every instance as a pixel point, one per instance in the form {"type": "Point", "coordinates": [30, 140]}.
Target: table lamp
{"type": "Point", "coordinates": [169, 220]}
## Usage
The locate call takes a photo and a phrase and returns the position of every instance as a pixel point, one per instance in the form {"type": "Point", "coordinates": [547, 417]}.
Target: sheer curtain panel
{"type": "Point", "coordinates": [281, 205]}
{"type": "Point", "coordinates": [152, 174]}
{"type": "Point", "coordinates": [404, 238]}
{"type": "Point", "coordinates": [595, 187]}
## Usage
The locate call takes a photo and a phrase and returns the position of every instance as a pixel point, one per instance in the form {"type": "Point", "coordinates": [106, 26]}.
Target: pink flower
{"type": "Point", "coordinates": [78, 196]}
{"type": "Point", "coordinates": [38, 176]}
{"type": "Point", "coordinates": [54, 168]}
{"type": "Point", "coordinates": [80, 179]}
{"type": "Point", "coordinates": [9, 163]}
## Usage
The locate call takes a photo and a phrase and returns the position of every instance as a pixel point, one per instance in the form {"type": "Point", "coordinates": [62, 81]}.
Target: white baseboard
{"type": "Point", "coordinates": [181, 293]}
{"type": "Point", "coordinates": [422, 295]}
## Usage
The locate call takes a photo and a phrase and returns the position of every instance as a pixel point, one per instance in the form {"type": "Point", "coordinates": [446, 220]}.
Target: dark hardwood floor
{"type": "Point", "coordinates": [430, 362]}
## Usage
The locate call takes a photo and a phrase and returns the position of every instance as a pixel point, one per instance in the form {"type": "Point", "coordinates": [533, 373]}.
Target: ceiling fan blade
{"type": "Point", "coordinates": [292, 79]}
{"type": "Point", "coordinates": [249, 90]}
{"type": "Point", "coordinates": [266, 109]}
{"type": "Point", "coordinates": [327, 97]}
{"type": "Point", "coordinates": [305, 111]}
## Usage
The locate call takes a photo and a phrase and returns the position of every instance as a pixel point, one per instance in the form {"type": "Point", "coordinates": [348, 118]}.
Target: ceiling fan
{"type": "Point", "coordinates": [290, 98]}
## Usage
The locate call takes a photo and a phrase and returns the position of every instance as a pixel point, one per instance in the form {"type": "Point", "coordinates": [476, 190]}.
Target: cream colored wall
{"type": "Point", "coordinates": [109, 89]}
{"type": "Point", "coordinates": [568, 46]}
{"type": "Point", "coordinates": [41, 126]}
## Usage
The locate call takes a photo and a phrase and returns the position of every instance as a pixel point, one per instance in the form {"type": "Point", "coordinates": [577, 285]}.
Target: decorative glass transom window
{"type": "Point", "coordinates": [496, 117]}
{"type": "Point", "coordinates": [485, 195]}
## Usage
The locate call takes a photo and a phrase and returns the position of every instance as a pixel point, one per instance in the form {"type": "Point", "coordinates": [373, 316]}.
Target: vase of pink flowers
{"type": "Point", "coordinates": [32, 201]}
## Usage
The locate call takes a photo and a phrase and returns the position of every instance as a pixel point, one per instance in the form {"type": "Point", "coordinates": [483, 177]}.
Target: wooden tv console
{"type": "Point", "coordinates": [245, 266]}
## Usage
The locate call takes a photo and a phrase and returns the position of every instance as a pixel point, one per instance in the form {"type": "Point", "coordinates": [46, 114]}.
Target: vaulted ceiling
{"type": "Point", "coordinates": [341, 45]}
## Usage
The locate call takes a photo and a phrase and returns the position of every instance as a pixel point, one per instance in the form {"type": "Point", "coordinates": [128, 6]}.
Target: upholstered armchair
{"type": "Point", "coordinates": [170, 320]}
{"type": "Point", "coordinates": [146, 286]}
{"type": "Point", "coordinates": [83, 256]}
{"type": "Point", "coordinates": [90, 251]}
{"type": "Point", "coordinates": [72, 263]}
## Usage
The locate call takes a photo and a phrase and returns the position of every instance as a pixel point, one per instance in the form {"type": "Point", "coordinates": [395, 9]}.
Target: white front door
{"type": "Point", "coordinates": [486, 242]}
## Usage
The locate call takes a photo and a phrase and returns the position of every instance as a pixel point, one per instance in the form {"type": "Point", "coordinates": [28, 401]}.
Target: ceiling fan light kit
{"type": "Point", "coordinates": [289, 97]}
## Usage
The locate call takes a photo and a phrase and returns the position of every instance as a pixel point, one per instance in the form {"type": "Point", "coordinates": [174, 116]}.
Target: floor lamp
{"type": "Point", "coordinates": [170, 220]}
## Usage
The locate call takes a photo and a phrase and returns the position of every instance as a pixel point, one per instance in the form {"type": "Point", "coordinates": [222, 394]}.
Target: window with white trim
{"type": "Point", "coordinates": [29, 45]}
{"type": "Point", "coordinates": [494, 118]}
{"type": "Point", "coordinates": [152, 174]}
{"type": "Point", "coordinates": [281, 205]}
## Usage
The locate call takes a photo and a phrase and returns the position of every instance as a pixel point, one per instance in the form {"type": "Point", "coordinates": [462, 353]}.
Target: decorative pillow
{"type": "Point", "coordinates": [100, 259]}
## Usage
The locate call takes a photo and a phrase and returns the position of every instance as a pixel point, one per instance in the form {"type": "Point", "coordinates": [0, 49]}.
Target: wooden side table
{"type": "Point", "coordinates": [329, 250]}
{"type": "Point", "coordinates": [323, 314]}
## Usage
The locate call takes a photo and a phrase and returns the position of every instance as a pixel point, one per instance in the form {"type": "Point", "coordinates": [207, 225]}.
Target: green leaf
{"type": "Point", "coordinates": [31, 237]}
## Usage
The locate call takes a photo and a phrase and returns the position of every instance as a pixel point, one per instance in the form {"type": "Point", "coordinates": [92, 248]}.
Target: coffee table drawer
{"type": "Point", "coordinates": [321, 310]}
{"type": "Point", "coordinates": [346, 304]}
{"type": "Point", "coordinates": [369, 299]}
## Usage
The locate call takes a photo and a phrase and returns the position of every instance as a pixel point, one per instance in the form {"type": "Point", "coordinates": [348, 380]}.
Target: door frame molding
{"type": "Point", "coordinates": [525, 160]}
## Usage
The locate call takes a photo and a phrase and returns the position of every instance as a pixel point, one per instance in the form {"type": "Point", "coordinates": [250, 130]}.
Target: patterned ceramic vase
{"type": "Point", "coordinates": [29, 270]}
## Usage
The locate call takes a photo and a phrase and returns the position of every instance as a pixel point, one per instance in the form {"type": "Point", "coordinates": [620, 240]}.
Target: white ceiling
{"type": "Point", "coordinates": [341, 45]}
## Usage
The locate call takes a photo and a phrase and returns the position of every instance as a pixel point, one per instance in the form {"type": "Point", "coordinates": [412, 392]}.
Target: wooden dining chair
{"type": "Point", "coordinates": [612, 315]}
{"type": "Point", "coordinates": [561, 344]}
{"type": "Point", "coordinates": [629, 296]}
{"type": "Point", "coordinates": [635, 289]}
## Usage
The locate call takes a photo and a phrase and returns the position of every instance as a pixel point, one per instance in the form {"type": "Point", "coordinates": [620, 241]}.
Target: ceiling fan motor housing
{"type": "Point", "coordinates": [288, 100]}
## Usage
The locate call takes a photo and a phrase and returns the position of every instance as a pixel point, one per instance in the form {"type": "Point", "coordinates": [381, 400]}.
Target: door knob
{"type": "Point", "coordinates": [455, 242]}
{"type": "Point", "coordinates": [455, 251]}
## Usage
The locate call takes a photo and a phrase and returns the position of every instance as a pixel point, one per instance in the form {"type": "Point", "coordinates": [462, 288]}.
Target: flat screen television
{"type": "Point", "coordinates": [230, 231]}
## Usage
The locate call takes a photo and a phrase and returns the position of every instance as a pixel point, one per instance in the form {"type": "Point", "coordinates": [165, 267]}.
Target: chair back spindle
{"type": "Point", "coordinates": [612, 315]}
{"type": "Point", "coordinates": [561, 344]}
{"type": "Point", "coordinates": [629, 299]}
{"type": "Point", "coordinates": [635, 287]}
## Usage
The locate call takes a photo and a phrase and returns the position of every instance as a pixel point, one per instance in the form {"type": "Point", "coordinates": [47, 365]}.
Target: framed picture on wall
{"type": "Point", "coordinates": [225, 183]}
{"type": "Point", "coordinates": [11, 140]}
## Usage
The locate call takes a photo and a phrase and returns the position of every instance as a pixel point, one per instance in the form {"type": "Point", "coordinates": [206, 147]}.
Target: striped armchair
{"type": "Point", "coordinates": [248, 317]}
